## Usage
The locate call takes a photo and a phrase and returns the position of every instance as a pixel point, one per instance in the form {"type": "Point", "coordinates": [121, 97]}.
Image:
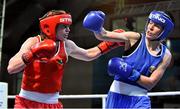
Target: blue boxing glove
{"type": "Point", "coordinates": [94, 21]}
{"type": "Point", "coordinates": [117, 66]}
{"type": "Point", "coordinates": [100, 13]}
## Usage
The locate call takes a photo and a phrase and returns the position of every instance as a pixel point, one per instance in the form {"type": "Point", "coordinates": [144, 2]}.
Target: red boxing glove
{"type": "Point", "coordinates": [119, 30]}
{"type": "Point", "coordinates": [44, 49]}
{"type": "Point", "coordinates": [106, 46]}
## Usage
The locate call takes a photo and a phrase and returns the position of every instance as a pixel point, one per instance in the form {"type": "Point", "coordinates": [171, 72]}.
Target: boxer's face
{"type": "Point", "coordinates": [62, 32]}
{"type": "Point", "coordinates": [153, 30]}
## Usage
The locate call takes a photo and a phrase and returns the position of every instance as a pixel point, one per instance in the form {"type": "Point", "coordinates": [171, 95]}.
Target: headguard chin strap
{"type": "Point", "coordinates": [48, 24]}
{"type": "Point", "coordinates": [164, 21]}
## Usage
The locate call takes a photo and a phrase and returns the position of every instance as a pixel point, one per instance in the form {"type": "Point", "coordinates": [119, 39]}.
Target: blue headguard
{"type": "Point", "coordinates": [164, 21]}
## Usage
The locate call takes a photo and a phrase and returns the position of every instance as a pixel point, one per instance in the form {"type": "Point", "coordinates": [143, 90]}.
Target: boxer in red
{"type": "Point", "coordinates": [43, 58]}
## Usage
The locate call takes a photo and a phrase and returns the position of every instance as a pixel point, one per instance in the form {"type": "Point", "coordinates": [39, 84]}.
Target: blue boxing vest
{"type": "Point", "coordinates": [142, 60]}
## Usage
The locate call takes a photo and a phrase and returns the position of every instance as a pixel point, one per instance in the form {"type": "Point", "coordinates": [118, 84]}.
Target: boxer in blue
{"type": "Point", "coordinates": [143, 63]}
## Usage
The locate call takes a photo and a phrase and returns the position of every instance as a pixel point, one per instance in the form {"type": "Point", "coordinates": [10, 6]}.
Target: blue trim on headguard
{"type": "Point", "coordinates": [164, 21]}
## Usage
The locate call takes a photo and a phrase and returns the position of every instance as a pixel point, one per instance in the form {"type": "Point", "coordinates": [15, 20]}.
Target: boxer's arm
{"type": "Point", "coordinates": [94, 22]}
{"type": "Point", "coordinates": [16, 63]}
{"type": "Point", "coordinates": [80, 53]}
{"type": "Point", "coordinates": [128, 38]}
{"type": "Point", "coordinates": [150, 82]}
{"type": "Point", "coordinates": [106, 46]}
{"type": "Point", "coordinates": [113, 36]}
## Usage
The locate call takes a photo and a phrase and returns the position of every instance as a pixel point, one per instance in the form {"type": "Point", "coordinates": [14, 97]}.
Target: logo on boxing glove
{"type": "Point", "coordinates": [123, 66]}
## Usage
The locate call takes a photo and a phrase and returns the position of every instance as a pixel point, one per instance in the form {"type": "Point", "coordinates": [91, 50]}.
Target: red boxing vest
{"type": "Point", "coordinates": [45, 76]}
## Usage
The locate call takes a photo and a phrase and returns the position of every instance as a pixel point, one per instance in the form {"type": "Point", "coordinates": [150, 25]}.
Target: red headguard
{"type": "Point", "coordinates": [48, 24]}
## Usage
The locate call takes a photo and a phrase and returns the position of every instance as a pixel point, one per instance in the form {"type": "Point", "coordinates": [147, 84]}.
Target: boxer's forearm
{"type": "Point", "coordinates": [15, 65]}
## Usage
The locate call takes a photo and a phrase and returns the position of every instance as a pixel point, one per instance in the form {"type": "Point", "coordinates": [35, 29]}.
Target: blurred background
{"type": "Point", "coordinates": [19, 20]}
